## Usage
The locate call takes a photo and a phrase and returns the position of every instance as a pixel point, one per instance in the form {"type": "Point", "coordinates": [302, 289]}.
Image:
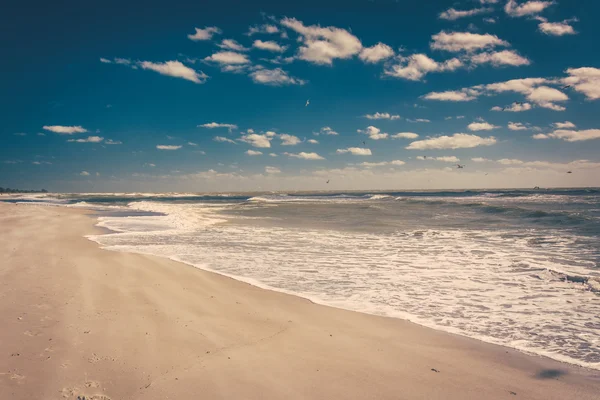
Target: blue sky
{"type": "Point", "coordinates": [183, 96]}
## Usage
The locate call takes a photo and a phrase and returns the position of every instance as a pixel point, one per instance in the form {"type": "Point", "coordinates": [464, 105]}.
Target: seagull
{"type": "Point", "coordinates": [566, 86]}
{"type": "Point", "coordinates": [569, 172]}
{"type": "Point", "coordinates": [460, 166]}
{"type": "Point", "coordinates": [327, 181]}
{"type": "Point", "coordinates": [364, 143]}
{"type": "Point", "coordinates": [307, 103]}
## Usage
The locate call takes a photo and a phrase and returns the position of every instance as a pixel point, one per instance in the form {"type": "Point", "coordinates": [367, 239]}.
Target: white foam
{"type": "Point", "coordinates": [488, 285]}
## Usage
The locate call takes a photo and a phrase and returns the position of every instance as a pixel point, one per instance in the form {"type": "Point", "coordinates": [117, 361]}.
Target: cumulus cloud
{"type": "Point", "coordinates": [405, 135]}
{"type": "Point", "coordinates": [84, 173]}
{"type": "Point", "coordinates": [204, 34]}
{"type": "Point", "coordinates": [418, 120]}
{"type": "Point", "coordinates": [453, 14]}
{"type": "Point", "coordinates": [540, 136]}
{"type": "Point", "coordinates": [514, 107]}
{"type": "Point", "coordinates": [456, 141]}
{"type": "Point", "coordinates": [305, 156]}
{"type": "Point", "coordinates": [517, 126]}
{"type": "Point", "coordinates": [175, 69]}
{"type": "Point", "coordinates": [274, 77]}
{"type": "Point", "coordinates": [416, 66]}
{"type": "Point", "coordinates": [272, 170]}
{"type": "Point", "coordinates": [326, 130]}
{"type": "Point", "coordinates": [253, 153]}
{"type": "Point", "coordinates": [396, 163]}
{"type": "Point", "coordinates": [255, 140]}
{"type": "Point", "coordinates": [585, 80]}
{"type": "Point", "coordinates": [213, 125]}
{"type": "Point", "coordinates": [479, 159]}
{"type": "Point", "coordinates": [373, 133]}
{"type": "Point", "coordinates": [465, 41]}
{"type": "Point", "coordinates": [289, 140]}
{"type": "Point", "coordinates": [313, 141]}
{"type": "Point", "coordinates": [223, 140]}
{"type": "Point", "coordinates": [384, 115]}
{"type": "Point", "coordinates": [89, 139]}
{"type": "Point", "coordinates": [266, 28]}
{"type": "Point", "coordinates": [356, 151]}
{"type": "Point", "coordinates": [481, 126]}
{"type": "Point", "coordinates": [532, 7]}
{"type": "Point", "coordinates": [575, 136]}
{"type": "Point", "coordinates": [376, 53]}
{"type": "Point", "coordinates": [499, 58]}
{"type": "Point", "coordinates": [451, 95]}
{"type": "Point", "coordinates": [228, 58]}
{"type": "Point", "coordinates": [167, 147]}
{"type": "Point", "coordinates": [508, 161]}
{"type": "Point", "coordinates": [556, 28]}
{"type": "Point", "coordinates": [269, 45]}
{"type": "Point", "coordinates": [321, 45]}
{"type": "Point", "coordinates": [64, 130]}
{"type": "Point", "coordinates": [110, 141]}
{"type": "Point", "coordinates": [230, 44]}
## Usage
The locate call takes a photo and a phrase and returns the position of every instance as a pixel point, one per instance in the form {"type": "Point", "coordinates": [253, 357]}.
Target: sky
{"type": "Point", "coordinates": [268, 95]}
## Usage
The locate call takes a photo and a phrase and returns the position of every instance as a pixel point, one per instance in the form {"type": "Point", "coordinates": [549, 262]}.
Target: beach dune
{"type": "Point", "coordinates": [81, 321]}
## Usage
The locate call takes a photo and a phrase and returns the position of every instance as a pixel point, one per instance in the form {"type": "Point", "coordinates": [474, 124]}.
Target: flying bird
{"type": "Point", "coordinates": [327, 181]}
{"type": "Point", "coordinates": [569, 172]}
{"type": "Point", "coordinates": [460, 166]}
{"type": "Point", "coordinates": [307, 103]}
{"type": "Point", "coordinates": [364, 143]}
{"type": "Point", "coordinates": [566, 86]}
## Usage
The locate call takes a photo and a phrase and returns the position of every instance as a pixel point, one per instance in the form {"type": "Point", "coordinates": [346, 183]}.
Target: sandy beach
{"type": "Point", "coordinates": [82, 321]}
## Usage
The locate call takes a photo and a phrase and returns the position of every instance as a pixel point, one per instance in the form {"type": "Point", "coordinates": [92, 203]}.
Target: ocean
{"type": "Point", "coordinates": [518, 268]}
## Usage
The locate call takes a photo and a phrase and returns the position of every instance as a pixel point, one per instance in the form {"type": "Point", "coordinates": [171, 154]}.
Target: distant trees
{"type": "Point", "coordinates": [9, 190]}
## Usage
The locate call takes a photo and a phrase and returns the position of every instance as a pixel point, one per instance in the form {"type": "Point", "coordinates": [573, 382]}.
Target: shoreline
{"type": "Point", "coordinates": [287, 345]}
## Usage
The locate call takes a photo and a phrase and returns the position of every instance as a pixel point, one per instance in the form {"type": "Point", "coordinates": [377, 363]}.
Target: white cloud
{"type": "Point", "coordinates": [223, 140]}
{"type": "Point", "coordinates": [266, 28]}
{"type": "Point", "coordinates": [289, 140]}
{"type": "Point", "coordinates": [175, 69]}
{"type": "Point", "coordinates": [305, 156]}
{"type": "Point", "coordinates": [448, 159]}
{"type": "Point", "coordinates": [585, 80]}
{"type": "Point", "coordinates": [255, 140]}
{"type": "Point", "coordinates": [213, 125]}
{"type": "Point", "coordinates": [326, 131]}
{"type": "Point", "coordinates": [508, 161]}
{"type": "Point", "coordinates": [230, 44]}
{"type": "Point", "coordinates": [456, 141]}
{"type": "Point", "coordinates": [450, 95]}
{"type": "Point", "coordinates": [556, 28]}
{"type": "Point", "coordinates": [273, 154]}
{"type": "Point", "coordinates": [564, 125]}
{"type": "Point", "coordinates": [84, 173]}
{"type": "Point", "coordinates": [517, 126]}
{"type": "Point", "coordinates": [514, 107]}
{"type": "Point", "coordinates": [490, 20]}
{"type": "Point", "coordinates": [204, 34]}
{"type": "Point", "coordinates": [384, 115]}
{"type": "Point", "coordinates": [480, 159]}
{"type": "Point", "coordinates": [41, 163]}
{"type": "Point", "coordinates": [64, 130]}
{"type": "Point", "coordinates": [192, 144]}
{"type": "Point", "coordinates": [376, 53]}
{"type": "Point", "coordinates": [505, 57]}
{"type": "Point", "coordinates": [481, 126]}
{"type": "Point", "coordinates": [269, 45]}
{"type": "Point", "coordinates": [228, 58]}
{"type": "Point", "coordinates": [382, 164]}
{"type": "Point", "coordinates": [110, 141]}
{"type": "Point", "coordinates": [545, 97]}
{"type": "Point", "coordinates": [488, 1]}
{"type": "Point", "coordinates": [540, 136]}
{"type": "Point", "coordinates": [20, 134]}
{"type": "Point", "coordinates": [373, 133]}
{"type": "Point", "coordinates": [89, 139]}
{"type": "Point", "coordinates": [533, 89]}
{"type": "Point", "coordinates": [105, 61]}
{"type": "Point", "coordinates": [313, 141]}
{"type": "Point", "coordinates": [465, 41]}
{"type": "Point", "coordinates": [405, 135]}
{"type": "Point", "coordinates": [272, 170]}
{"type": "Point", "coordinates": [275, 77]}
{"type": "Point", "coordinates": [356, 151]}
{"type": "Point", "coordinates": [418, 120]}
{"type": "Point", "coordinates": [576, 136]}
{"type": "Point", "coordinates": [167, 147]}
{"type": "Point", "coordinates": [323, 45]}
{"type": "Point", "coordinates": [453, 14]}
{"type": "Point", "coordinates": [253, 153]}
{"type": "Point", "coordinates": [416, 66]}
{"type": "Point", "coordinates": [528, 8]}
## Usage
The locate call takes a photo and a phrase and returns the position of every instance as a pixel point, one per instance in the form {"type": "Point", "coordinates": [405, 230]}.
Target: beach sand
{"type": "Point", "coordinates": [81, 321]}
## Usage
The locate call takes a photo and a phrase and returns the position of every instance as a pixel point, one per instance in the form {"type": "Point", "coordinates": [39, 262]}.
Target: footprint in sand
{"type": "Point", "coordinates": [31, 334]}
{"type": "Point", "coordinates": [94, 359]}
{"type": "Point", "coordinates": [92, 384]}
